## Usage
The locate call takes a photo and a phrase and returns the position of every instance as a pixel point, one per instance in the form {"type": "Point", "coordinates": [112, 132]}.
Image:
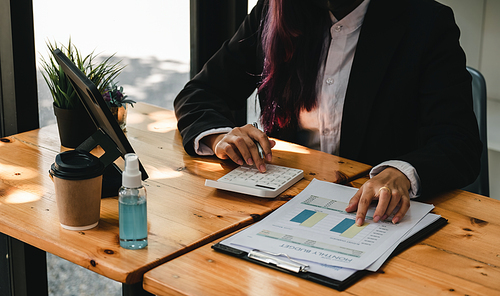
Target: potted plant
{"type": "Point", "coordinates": [73, 121]}
{"type": "Point", "coordinates": [117, 102]}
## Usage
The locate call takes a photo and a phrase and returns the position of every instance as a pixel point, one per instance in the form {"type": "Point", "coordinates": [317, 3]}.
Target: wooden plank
{"type": "Point", "coordinates": [457, 265]}
{"type": "Point", "coordinates": [183, 214]}
{"type": "Point", "coordinates": [463, 257]}
{"type": "Point", "coordinates": [462, 235]}
{"type": "Point", "coordinates": [402, 277]}
{"type": "Point", "coordinates": [472, 205]}
{"type": "Point", "coordinates": [475, 206]}
{"type": "Point", "coordinates": [472, 223]}
{"type": "Point", "coordinates": [177, 223]}
{"type": "Point", "coordinates": [206, 272]}
{"type": "Point", "coordinates": [421, 270]}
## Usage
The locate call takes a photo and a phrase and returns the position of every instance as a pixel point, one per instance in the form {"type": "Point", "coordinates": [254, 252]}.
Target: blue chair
{"type": "Point", "coordinates": [482, 184]}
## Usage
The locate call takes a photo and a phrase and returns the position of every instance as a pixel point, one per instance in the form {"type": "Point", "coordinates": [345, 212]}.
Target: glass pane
{"type": "Point", "coordinates": [251, 4]}
{"type": "Point", "coordinates": [253, 108]}
{"type": "Point", "coordinates": [150, 37]}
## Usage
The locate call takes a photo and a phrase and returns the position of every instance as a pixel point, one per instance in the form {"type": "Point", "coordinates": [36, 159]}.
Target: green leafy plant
{"type": "Point", "coordinates": [114, 96]}
{"type": "Point", "coordinates": [101, 74]}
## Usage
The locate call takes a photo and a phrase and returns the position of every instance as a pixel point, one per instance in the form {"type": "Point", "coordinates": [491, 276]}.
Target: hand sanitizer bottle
{"type": "Point", "coordinates": [133, 221]}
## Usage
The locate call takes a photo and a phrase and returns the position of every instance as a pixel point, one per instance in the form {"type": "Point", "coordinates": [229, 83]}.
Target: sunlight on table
{"type": "Point", "coordinates": [283, 146]}
{"type": "Point", "coordinates": [12, 172]}
{"type": "Point", "coordinates": [17, 196]}
{"type": "Point", "coordinates": [164, 173]}
{"type": "Point", "coordinates": [162, 122]}
{"type": "Point", "coordinates": [208, 166]}
{"type": "Point", "coordinates": [134, 118]}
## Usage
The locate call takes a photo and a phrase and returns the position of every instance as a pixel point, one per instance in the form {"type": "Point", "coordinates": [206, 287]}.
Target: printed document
{"type": "Point", "coordinates": [315, 229]}
{"type": "Point", "coordinates": [341, 274]}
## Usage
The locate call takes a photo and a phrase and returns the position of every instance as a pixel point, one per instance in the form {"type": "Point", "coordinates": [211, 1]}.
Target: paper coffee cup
{"type": "Point", "coordinates": [77, 177]}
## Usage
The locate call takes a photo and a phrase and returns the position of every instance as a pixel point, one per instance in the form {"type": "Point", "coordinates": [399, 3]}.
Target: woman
{"type": "Point", "coordinates": [382, 82]}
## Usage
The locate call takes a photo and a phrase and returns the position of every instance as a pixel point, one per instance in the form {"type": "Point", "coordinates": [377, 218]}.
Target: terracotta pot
{"type": "Point", "coordinates": [75, 126]}
{"type": "Point", "coordinates": [120, 114]}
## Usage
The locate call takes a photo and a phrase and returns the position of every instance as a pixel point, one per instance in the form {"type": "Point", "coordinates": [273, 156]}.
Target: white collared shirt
{"type": "Point", "coordinates": [323, 124]}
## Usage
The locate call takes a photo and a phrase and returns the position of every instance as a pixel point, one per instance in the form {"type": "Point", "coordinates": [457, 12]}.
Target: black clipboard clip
{"type": "Point", "coordinates": [274, 259]}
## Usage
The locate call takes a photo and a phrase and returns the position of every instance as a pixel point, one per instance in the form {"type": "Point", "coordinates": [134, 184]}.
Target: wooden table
{"type": "Point", "coordinates": [462, 258]}
{"type": "Point", "coordinates": [183, 214]}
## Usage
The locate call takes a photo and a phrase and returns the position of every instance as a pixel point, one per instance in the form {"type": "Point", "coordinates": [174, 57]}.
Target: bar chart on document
{"type": "Point", "coordinates": [315, 227]}
{"type": "Point", "coordinates": [327, 216]}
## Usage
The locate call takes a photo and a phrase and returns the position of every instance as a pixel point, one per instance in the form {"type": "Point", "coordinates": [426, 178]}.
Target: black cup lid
{"type": "Point", "coordinates": [76, 165]}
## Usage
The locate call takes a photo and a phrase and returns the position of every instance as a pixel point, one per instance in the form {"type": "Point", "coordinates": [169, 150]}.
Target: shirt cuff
{"type": "Point", "coordinates": [202, 149]}
{"type": "Point", "coordinates": [407, 169]}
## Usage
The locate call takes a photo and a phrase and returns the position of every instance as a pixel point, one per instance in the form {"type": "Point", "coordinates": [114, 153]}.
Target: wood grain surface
{"type": "Point", "coordinates": [462, 258]}
{"type": "Point", "coordinates": [183, 214]}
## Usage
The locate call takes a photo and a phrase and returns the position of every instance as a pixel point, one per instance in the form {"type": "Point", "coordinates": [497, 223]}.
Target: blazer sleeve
{"type": "Point", "coordinates": [224, 84]}
{"type": "Point", "coordinates": [449, 148]}
{"type": "Point", "coordinates": [409, 96]}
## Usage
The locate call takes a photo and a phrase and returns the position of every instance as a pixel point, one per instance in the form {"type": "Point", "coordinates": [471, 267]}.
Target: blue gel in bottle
{"type": "Point", "coordinates": [132, 211]}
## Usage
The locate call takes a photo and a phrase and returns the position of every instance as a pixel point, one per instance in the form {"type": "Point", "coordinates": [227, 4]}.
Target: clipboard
{"type": "Point", "coordinates": [283, 263]}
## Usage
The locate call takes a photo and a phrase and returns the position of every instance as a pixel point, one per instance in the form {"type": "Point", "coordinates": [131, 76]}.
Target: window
{"type": "Point", "coordinates": [150, 37]}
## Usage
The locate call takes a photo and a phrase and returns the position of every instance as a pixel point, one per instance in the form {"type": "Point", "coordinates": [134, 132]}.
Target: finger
{"type": "Point", "coordinates": [244, 145]}
{"type": "Point", "coordinates": [395, 201]}
{"type": "Point", "coordinates": [269, 156]}
{"type": "Point", "coordinates": [255, 157]}
{"type": "Point", "coordinates": [259, 157]}
{"type": "Point", "coordinates": [363, 205]}
{"type": "Point", "coordinates": [405, 205]}
{"type": "Point", "coordinates": [384, 199]}
{"type": "Point", "coordinates": [265, 143]}
{"type": "Point", "coordinates": [353, 203]}
{"type": "Point", "coordinates": [239, 146]}
{"type": "Point", "coordinates": [224, 150]}
{"type": "Point", "coordinates": [259, 161]}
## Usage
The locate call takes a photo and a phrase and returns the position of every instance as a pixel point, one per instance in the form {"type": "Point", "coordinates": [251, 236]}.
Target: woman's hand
{"type": "Point", "coordinates": [391, 188]}
{"type": "Point", "coordinates": [239, 146]}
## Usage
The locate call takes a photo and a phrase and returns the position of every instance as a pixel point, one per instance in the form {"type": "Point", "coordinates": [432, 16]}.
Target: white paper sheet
{"type": "Point", "coordinates": [313, 227]}
{"type": "Point", "coordinates": [339, 273]}
{"type": "Point", "coordinates": [427, 220]}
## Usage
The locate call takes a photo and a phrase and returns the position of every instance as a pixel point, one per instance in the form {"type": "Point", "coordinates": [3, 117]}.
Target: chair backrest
{"type": "Point", "coordinates": [481, 185]}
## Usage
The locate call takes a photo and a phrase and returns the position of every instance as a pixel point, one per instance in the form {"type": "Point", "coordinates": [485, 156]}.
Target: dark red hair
{"type": "Point", "coordinates": [293, 37]}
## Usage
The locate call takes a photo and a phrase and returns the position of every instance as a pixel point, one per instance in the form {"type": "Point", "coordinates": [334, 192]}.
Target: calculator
{"type": "Point", "coordinates": [248, 180]}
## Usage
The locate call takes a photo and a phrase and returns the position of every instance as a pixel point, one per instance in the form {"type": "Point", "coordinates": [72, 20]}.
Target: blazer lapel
{"type": "Point", "coordinates": [382, 30]}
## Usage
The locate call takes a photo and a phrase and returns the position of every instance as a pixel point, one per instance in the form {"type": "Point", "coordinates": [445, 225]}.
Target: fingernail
{"type": "Point", "coordinates": [262, 168]}
{"type": "Point", "coordinates": [250, 161]}
{"type": "Point", "coordinates": [395, 220]}
{"type": "Point", "coordinates": [348, 206]}
{"type": "Point", "coordinates": [376, 219]}
{"type": "Point", "coordinates": [240, 162]}
{"type": "Point", "coordinates": [384, 217]}
{"type": "Point", "coordinates": [359, 221]}
{"type": "Point", "coordinates": [269, 157]}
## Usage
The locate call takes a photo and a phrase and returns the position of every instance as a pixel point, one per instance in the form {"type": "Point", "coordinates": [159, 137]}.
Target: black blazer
{"type": "Point", "coordinates": [408, 97]}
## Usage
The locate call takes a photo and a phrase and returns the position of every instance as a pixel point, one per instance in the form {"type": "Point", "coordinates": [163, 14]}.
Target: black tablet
{"type": "Point", "coordinates": [95, 106]}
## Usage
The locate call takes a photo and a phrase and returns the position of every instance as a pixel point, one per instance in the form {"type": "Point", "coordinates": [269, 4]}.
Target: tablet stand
{"type": "Point", "coordinates": [112, 176]}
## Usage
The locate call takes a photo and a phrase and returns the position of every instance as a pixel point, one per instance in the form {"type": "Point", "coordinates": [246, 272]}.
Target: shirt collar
{"type": "Point", "coordinates": [352, 21]}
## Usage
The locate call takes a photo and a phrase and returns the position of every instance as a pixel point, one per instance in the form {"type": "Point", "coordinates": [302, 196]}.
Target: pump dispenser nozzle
{"type": "Point", "coordinates": [131, 177]}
